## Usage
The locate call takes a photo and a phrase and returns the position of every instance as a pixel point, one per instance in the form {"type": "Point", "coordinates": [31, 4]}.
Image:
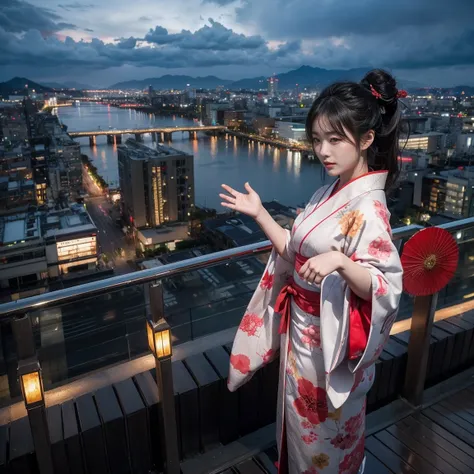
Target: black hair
{"type": "Point", "coordinates": [371, 104]}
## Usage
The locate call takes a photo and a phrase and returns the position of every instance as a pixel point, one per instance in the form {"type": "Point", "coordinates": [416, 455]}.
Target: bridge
{"type": "Point", "coordinates": [160, 133]}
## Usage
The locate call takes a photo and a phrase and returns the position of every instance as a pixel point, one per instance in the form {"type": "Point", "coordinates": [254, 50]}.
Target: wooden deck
{"type": "Point", "coordinates": [437, 440]}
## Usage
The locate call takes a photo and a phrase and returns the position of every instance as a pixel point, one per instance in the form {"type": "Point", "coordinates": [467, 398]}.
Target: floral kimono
{"type": "Point", "coordinates": [327, 337]}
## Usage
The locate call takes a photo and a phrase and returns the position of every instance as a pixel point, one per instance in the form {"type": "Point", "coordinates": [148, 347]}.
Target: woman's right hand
{"type": "Point", "coordinates": [248, 203]}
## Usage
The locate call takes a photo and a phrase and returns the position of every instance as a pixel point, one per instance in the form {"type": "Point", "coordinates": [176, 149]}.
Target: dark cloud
{"type": "Point", "coordinates": [315, 32]}
{"type": "Point", "coordinates": [214, 37]}
{"type": "Point", "coordinates": [17, 16]}
{"type": "Point", "coordinates": [345, 33]}
{"type": "Point", "coordinates": [88, 30]}
{"type": "Point", "coordinates": [209, 46]}
{"type": "Point", "coordinates": [127, 43]}
{"type": "Point", "coordinates": [320, 19]}
{"type": "Point", "coordinates": [144, 18]}
{"type": "Point", "coordinates": [75, 6]}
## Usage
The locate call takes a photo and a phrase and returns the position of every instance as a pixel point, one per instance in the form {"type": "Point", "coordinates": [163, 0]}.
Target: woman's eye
{"type": "Point", "coordinates": [335, 140]}
{"type": "Point", "coordinates": [315, 140]}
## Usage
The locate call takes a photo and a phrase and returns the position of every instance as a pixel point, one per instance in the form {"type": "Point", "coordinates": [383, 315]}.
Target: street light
{"type": "Point", "coordinates": [159, 342]}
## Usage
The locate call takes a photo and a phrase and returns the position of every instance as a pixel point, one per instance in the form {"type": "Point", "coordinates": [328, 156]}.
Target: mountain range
{"type": "Point", "coordinates": [17, 85]}
{"type": "Point", "coordinates": [305, 76]}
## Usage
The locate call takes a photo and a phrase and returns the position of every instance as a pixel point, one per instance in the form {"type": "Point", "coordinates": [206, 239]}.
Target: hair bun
{"type": "Point", "coordinates": [382, 85]}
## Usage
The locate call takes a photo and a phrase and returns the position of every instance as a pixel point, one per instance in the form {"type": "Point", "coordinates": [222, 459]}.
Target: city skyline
{"type": "Point", "coordinates": [429, 41]}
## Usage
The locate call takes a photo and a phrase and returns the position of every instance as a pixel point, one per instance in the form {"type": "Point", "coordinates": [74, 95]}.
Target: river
{"type": "Point", "coordinates": [275, 174]}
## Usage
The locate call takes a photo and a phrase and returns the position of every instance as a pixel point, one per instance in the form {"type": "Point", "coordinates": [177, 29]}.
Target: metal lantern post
{"type": "Point", "coordinates": [159, 342]}
{"type": "Point", "coordinates": [31, 382]}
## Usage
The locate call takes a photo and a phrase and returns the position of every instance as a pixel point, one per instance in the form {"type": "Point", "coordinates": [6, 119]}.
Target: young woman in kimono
{"type": "Point", "coordinates": [330, 292]}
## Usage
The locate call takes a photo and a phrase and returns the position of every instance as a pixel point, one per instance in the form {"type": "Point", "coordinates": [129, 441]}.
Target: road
{"type": "Point", "coordinates": [110, 236]}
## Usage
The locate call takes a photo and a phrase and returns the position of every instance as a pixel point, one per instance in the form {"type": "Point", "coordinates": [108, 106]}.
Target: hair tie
{"type": "Point", "coordinates": [401, 94]}
{"type": "Point", "coordinates": [375, 93]}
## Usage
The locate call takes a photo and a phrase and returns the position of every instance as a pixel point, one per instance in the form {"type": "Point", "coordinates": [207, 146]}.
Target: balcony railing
{"type": "Point", "coordinates": [90, 326]}
{"type": "Point", "coordinates": [87, 327]}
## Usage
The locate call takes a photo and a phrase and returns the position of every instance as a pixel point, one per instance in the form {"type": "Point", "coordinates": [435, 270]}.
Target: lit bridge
{"type": "Point", "coordinates": [158, 133]}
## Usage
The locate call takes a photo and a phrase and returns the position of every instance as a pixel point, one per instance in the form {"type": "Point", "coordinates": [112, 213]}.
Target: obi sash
{"type": "Point", "coordinates": [307, 300]}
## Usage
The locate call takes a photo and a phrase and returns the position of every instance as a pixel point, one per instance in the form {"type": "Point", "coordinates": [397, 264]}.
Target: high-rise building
{"type": "Point", "coordinates": [272, 86]}
{"type": "Point", "coordinates": [157, 184]}
{"type": "Point", "coordinates": [450, 193]}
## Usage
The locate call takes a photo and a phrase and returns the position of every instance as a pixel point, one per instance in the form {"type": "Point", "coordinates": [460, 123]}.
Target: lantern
{"type": "Point", "coordinates": [31, 382]}
{"type": "Point", "coordinates": [159, 338]}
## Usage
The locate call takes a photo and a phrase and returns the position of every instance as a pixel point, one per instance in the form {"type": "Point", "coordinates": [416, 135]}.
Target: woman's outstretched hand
{"type": "Point", "coordinates": [247, 203]}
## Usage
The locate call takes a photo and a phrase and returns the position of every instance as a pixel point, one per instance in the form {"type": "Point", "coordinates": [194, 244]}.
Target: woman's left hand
{"type": "Point", "coordinates": [316, 268]}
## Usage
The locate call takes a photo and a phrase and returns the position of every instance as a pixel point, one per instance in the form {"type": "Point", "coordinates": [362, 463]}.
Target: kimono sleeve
{"type": "Point", "coordinates": [369, 244]}
{"type": "Point", "coordinates": [370, 321]}
{"type": "Point", "coordinates": [289, 254]}
{"type": "Point", "coordinates": [257, 340]}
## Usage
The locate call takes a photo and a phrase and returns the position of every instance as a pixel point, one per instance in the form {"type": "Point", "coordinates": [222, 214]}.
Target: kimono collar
{"type": "Point", "coordinates": [371, 181]}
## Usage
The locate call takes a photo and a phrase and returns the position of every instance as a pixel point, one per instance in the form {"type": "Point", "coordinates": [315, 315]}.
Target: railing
{"type": "Point", "coordinates": [93, 325]}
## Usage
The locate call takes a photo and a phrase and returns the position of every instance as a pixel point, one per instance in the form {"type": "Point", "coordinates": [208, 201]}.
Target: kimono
{"type": "Point", "coordinates": [327, 337]}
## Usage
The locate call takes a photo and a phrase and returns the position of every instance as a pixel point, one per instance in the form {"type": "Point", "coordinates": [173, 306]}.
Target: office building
{"type": "Point", "coordinates": [293, 132]}
{"type": "Point", "coordinates": [16, 194]}
{"type": "Point", "coordinates": [449, 193]}
{"type": "Point", "coordinates": [157, 184]}
{"type": "Point", "coordinates": [465, 143]}
{"type": "Point", "coordinates": [426, 142]}
{"type": "Point", "coordinates": [36, 247]}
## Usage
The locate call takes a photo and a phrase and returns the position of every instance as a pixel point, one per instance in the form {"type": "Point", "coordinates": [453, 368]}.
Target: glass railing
{"type": "Point", "coordinates": [91, 326]}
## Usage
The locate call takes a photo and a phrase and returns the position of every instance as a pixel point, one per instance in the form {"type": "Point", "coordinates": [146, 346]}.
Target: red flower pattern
{"type": "Point", "coordinates": [310, 438]}
{"type": "Point", "coordinates": [353, 424]}
{"type": "Point", "coordinates": [382, 212]}
{"type": "Point", "coordinates": [380, 248]}
{"type": "Point", "coordinates": [267, 281]}
{"type": "Point", "coordinates": [240, 362]}
{"type": "Point", "coordinates": [382, 289]}
{"type": "Point", "coordinates": [312, 402]}
{"type": "Point", "coordinates": [312, 336]}
{"type": "Point", "coordinates": [352, 461]}
{"type": "Point", "coordinates": [344, 441]}
{"type": "Point", "coordinates": [251, 323]}
{"type": "Point", "coordinates": [311, 470]}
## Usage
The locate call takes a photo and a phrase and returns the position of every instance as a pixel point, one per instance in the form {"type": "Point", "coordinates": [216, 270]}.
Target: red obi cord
{"type": "Point", "coordinates": [308, 301]}
{"type": "Point", "coordinates": [360, 311]}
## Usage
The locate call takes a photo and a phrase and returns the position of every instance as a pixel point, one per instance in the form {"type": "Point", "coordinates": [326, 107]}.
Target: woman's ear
{"type": "Point", "coordinates": [367, 140]}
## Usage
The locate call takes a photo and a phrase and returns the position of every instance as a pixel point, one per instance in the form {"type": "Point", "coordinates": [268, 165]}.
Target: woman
{"type": "Point", "coordinates": [332, 316]}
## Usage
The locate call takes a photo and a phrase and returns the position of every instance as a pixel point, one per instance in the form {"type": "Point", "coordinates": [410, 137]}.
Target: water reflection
{"type": "Point", "coordinates": [289, 162]}
{"type": "Point", "coordinates": [276, 159]}
{"type": "Point", "coordinates": [213, 147]}
{"type": "Point", "coordinates": [297, 167]}
{"type": "Point", "coordinates": [195, 146]}
{"type": "Point", "coordinates": [216, 160]}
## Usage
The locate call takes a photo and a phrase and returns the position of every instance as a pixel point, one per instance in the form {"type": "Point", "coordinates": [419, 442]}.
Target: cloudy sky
{"type": "Point", "coordinates": [101, 42]}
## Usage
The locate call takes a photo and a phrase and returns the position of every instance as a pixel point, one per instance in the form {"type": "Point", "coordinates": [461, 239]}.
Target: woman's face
{"type": "Point", "coordinates": [339, 155]}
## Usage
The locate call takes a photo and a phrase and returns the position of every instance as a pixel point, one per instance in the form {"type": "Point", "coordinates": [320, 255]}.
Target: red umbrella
{"type": "Point", "coordinates": [429, 261]}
